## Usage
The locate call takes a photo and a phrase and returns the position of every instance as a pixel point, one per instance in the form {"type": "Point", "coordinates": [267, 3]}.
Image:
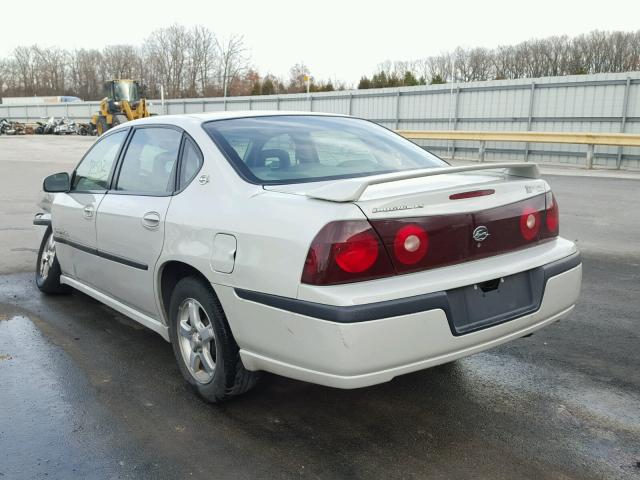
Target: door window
{"type": "Point", "coordinates": [93, 171]}
{"type": "Point", "coordinates": [191, 163]}
{"type": "Point", "coordinates": [149, 165]}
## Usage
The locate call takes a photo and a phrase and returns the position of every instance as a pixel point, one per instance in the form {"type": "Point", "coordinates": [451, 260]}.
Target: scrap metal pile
{"type": "Point", "coordinates": [46, 126]}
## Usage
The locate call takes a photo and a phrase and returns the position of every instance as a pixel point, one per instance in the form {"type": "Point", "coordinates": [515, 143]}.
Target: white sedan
{"type": "Point", "coordinates": [323, 248]}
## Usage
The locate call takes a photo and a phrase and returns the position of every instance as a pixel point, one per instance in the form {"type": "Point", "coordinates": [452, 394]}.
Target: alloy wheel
{"type": "Point", "coordinates": [47, 258]}
{"type": "Point", "coordinates": [197, 340]}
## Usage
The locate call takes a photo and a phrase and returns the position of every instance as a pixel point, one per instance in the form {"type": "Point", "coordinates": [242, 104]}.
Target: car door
{"type": "Point", "coordinates": [130, 218]}
{"type": "Point", "coordinates": [74, 213]}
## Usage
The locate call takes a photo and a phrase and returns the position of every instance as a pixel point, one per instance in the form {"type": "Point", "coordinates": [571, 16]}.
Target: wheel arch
{"type": "Point", "coordinates": [169, 274]}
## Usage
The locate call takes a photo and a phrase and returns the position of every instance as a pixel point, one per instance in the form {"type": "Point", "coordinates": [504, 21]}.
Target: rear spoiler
{"type": "Point", "coordinates": [350, 190]}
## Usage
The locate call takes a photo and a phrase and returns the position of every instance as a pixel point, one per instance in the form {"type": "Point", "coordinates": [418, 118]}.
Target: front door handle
{"type": "Point", "coordinates": [88, 211]}
{"type": "Point", "coordinates": [151, 220]}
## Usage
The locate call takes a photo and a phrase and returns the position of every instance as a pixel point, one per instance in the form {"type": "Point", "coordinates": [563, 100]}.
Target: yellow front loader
{"type": "Point", "coordinates": [122, 103]}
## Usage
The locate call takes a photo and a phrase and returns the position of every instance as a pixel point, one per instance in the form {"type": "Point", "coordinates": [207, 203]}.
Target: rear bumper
{"type": "Point", "coordinates": [360, 345]}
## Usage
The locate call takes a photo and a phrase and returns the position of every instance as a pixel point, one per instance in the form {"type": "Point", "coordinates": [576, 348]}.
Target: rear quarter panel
{"type": "Point", "coordinates": [273, 230]}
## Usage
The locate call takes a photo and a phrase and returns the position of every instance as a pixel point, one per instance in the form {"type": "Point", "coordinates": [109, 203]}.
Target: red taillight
{"type": "Point", "coordinates": [358, 253]}
{"type": "Point", "coordinates": [472, 194]}
{"type": "Point", "coordinates": [357, 250]}
{"type": "Point", "coordinates": [552, 214]}
{"type": "Point", "coordinates": [530, 224]}
{"type": "Point", "coordinates": [345, 252]}
{"type": "Point", "coordinates": [411, 244]}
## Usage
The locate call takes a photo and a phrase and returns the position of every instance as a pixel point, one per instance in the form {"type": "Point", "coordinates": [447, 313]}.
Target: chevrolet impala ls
{"type": "Point", "coordinates": [323, 248]}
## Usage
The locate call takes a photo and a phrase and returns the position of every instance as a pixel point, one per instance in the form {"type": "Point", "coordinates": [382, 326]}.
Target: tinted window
{"type": "Point", "coordinates": [94, 169]}
{"type": "Point", "coordinates": [304, 148]}
{"type": "Point", "coordinates": [191, 163]}
{"type": "Point", "coordinates": [150, 161]}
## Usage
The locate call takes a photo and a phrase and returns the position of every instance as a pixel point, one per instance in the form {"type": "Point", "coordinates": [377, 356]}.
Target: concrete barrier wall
{"type": "Point", "coordinates": [581, 103]}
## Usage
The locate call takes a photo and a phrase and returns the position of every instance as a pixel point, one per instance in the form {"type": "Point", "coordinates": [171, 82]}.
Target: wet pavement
{"type": "Point", "coordinates": [86, 393]}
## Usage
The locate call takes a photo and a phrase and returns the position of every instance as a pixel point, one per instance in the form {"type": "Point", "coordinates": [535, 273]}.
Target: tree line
{"type": "Point", "coordinates": [194, 62]}
{"type": "Point", "coordinates": [187, 62]}
{"type": "Point", "coordinates": [594, 52]}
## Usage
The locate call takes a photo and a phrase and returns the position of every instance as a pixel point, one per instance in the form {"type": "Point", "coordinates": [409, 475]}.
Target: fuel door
{"type": "Point", "coordinates": [223, 256]}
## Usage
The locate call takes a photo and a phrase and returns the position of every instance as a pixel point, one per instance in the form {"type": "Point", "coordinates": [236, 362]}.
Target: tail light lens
{"type": "Point", "coordinates": [358, 253]}
{"type": "Point", "coordinates": [552, 217]}
{"type": "Point", "coordinates": [411, 244]}
{"type": "Point", "coordinates": [352, 251]}
{"type": "Point", "coordinates": [472, 194]}
{"type": "Point", "coordinates": [530, 224]}
{"type": "Point", "coordinates": [345, 252]}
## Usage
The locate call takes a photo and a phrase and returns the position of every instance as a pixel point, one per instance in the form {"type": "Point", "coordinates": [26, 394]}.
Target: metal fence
{"type": "Point", "coordinates": [585, 103]}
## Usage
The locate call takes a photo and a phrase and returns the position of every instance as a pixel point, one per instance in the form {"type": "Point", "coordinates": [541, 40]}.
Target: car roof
{"type": "Point", "coordinates": [179, 119]}
{"type": "Point", "coordinates": [253, 113]}
{"type": "Point", "coordinates": [187, 120]}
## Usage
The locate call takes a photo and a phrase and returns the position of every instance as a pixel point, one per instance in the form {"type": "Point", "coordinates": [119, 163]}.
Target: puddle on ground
{"type": "Point", "coordinates": [51, 423]}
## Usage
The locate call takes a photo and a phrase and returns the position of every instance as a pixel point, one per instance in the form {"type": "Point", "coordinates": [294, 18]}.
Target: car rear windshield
{"type": "Point", "coordinates": [306, 148]}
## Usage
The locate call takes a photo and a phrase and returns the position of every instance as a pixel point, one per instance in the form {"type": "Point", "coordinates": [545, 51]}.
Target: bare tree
{"type": "Point", "coordinates": [233, 60]}
{"type": "Point", "coordinates": [119, 61]}
{"type": "Point", "coordinates": [167, 50]}
{"type": "Point", "coordinates": [202, 58]}
{"type": "Point", "coordinates": [85, 79]}
{"type": "Point", "coordinates": [50, 65]}
{"type": "Point", "coordinates": [25, 69]}
{"type": "Point", "coordinates": [297, 75]}
{"type": "Point", "coordinates": [193, 62]}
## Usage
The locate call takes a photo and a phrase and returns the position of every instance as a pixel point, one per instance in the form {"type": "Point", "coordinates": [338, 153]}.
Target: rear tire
{"type": "Point", "coordinates": [204, 347]}
{"type": "Point", "coordinates": [47, 267]}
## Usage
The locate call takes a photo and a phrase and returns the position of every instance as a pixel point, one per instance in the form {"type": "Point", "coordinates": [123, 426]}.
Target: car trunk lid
{"type": "Point", "coordinates": [440, 217]}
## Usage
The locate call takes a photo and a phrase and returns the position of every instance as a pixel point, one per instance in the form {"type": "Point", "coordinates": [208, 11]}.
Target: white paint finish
{"type": "Point", "coordinates": [253, 361]}
{"type": "Point", "coordinates": [272, 232]}
{"type": "Point", "coordinates": [71, 222]}
{"type": "Point", "coordinates": [367, 353]}
{"type": "Point", "coordinates": [430, 195]}
{"type": "Point", "coordinates": [224, 253]}
{"type": "Point", "coordinates": [120, 231]}
{"type": "Point", "coordinates": [354, 189]}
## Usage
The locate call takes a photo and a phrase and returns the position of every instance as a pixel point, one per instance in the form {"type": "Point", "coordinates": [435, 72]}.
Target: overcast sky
{"type": "Point", "coordinates": [336, 39]}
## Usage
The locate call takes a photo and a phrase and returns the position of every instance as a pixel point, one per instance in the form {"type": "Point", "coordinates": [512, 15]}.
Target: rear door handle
{"type": "Point", "coordinates": [88, 211]}
{"type": "Point", "coordinates": [151, 220]}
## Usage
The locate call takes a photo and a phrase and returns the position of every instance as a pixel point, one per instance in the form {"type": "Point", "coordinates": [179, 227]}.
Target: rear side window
{"type": "Point", "coordinates": [305, 148]}
{"type": "Point", "coordinates": [93, 171]}
{"type": "Point", "coordinates": [191, 163]}
{"type": "Point", "coordinates": [149, 164]}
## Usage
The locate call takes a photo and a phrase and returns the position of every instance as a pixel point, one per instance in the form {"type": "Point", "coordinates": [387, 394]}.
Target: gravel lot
{"type": "Point", "coordinates": [86, 393]}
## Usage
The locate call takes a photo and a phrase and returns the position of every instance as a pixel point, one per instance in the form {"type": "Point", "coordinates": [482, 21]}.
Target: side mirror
{"type": "Point", "coordinates": [58, 182]}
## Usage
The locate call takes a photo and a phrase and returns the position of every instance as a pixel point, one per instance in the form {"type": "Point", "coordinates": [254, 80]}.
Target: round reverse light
{"type": "Point", "coordinates": [530, 224]}
{"type": "Point", "coordinates": [531, 221]}
{"type": "Point", "coordinates": [411, 244]}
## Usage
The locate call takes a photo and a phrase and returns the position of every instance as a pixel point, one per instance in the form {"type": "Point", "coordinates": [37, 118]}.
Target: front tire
{"type": "Point", "coordinates": [204, 347]}
{"type": "Point", "coordinates": [47, 267]}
